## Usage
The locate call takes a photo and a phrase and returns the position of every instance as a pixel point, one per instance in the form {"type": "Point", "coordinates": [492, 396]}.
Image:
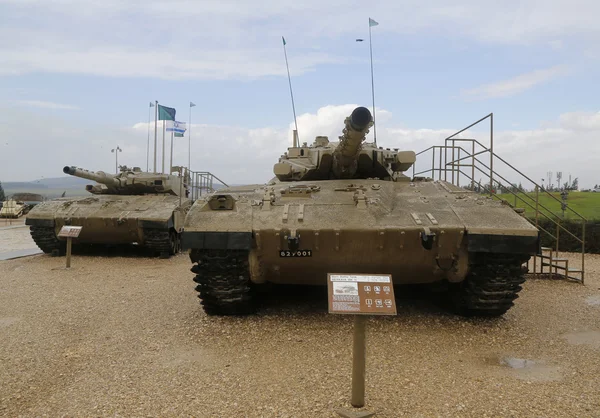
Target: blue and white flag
{"type": "Point", "coordinates": [175, 126]}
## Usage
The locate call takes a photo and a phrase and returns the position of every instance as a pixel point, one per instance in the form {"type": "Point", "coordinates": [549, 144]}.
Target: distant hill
{"type": "Point", "coordinates": [48, 187]}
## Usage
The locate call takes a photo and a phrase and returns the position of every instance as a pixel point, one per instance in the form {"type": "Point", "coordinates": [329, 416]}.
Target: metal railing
{"type": "Point", "coordinates": [199, 183]}
{"type": "Point", "coordinates": [453, 161]}
{"type": "Point", "coordinates": [203, 182]}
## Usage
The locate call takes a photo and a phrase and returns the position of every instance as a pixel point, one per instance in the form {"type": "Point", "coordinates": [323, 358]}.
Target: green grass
{"type": "Point", "coordinates": [586, 204]}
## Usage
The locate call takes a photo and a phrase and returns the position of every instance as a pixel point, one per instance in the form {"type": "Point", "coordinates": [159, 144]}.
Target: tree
{"type": "Point", "coordinates": [575, 184]}
{"type": "Point", "coordinates": [2, 195]}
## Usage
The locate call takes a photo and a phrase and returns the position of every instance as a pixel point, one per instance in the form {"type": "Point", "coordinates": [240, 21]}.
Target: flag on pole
{"type": "Point", "coordinates": [192, 104]}
{"type": "Point", "coordinates": [283, 39]}
{"type": "Point", "coordinates": [166, 113]}
{"type": "Point", "coordinates": [372, 23]}
{"type": "Point", "coordinates": [176, 126]}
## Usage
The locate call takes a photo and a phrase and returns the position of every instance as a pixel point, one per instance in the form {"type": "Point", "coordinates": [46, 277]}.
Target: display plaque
{"type": "Point", "coordinates": [367, 294]}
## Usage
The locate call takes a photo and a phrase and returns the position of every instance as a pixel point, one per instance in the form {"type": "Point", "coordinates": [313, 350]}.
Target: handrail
{"type": "Point", "coordinates": [454, 168]}
{"type": "Point", "coordinates": [532, 207]}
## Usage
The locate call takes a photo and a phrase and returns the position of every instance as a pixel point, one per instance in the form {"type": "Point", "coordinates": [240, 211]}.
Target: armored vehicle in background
{"type": "Point", "coordinates": [13, 209]}
{"type": "Point", "coordinates": [132, 207]}
{"type": "Point", "coordinates": [347, 207]}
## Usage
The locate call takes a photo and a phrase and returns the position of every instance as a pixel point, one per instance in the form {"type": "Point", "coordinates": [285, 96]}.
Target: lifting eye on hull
{"type": "Point", "coordinates": [427, 238]}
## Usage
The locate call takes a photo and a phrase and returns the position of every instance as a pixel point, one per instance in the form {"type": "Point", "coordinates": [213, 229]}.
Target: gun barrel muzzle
{"type": "Point", "coordinates": [360, 118]}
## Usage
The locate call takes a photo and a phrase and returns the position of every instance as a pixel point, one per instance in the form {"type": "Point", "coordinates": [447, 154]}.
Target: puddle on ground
{"type": "Point", "coordinates": [517, 363]}
{"type": "Point", "coordinates": [586, 337]}
{"type": "Point", "coordinates": [593, 300]}
{"type": "Point", "coordinates": [8, 321]}
{"type": "Point", "coordinates": [526, 369]}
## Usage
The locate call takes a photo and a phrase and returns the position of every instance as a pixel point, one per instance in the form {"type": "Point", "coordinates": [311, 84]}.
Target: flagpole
{"type": "Point", "coordinates": [372, 85]}
{"type": "Point", "coordinates": [171, 164]}
{"type": "Point", "coordinates": [163, 149]}
{"type": "Point", "coordinates": [155, 130]}
{"type": "Point", "coordinates": [148, 143]}
{"type": "Point", "coordinates": [296, 140]}
{"type": "Point", "coordinates": [190, 139]}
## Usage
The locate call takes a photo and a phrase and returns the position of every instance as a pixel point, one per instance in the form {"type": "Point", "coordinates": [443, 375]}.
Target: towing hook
{"type": "Point", "coordinates": [427, 238]}
{"type": "Point", "coordinates": [293, 243]}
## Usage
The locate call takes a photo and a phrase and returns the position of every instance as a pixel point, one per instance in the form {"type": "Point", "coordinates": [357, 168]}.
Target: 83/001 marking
{"type": "Point", "coordinates": [298, 253]}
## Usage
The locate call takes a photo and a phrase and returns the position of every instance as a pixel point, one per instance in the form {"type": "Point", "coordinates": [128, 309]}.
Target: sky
{"type": "Point", "coordinates": [77, 77]}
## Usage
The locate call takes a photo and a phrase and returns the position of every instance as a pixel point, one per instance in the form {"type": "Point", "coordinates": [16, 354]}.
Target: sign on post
{"type": "Point", "coordinates": [371, 294]}
{"type": "Point", "coordinates": [69, 232]}
{"type": "Point", "coordinates": [360, 295]}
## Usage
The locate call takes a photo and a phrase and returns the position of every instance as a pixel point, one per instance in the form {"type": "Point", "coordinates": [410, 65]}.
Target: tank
{"type": "Point", "coordinates": [13, 209]}
{"type": "Point", "coordinates": [147, 209]}
{"type": "Point", "coordinates": [348, 207]}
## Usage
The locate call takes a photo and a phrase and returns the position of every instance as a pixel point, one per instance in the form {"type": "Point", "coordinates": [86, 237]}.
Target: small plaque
{"type": "Point", "coordinates": [70, 231]}
{"type": "Point", "coordinates": [368, 294]}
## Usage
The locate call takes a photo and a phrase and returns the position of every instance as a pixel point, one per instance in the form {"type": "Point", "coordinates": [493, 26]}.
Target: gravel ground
{"type": "Point", "coordinates": [125, 336]}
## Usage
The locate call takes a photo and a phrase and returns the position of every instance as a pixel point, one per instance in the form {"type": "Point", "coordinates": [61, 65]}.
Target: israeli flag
{"type": "Point", "coordinates": [175, 126]}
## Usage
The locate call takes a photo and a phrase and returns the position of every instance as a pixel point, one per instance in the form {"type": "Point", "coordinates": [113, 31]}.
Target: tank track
{"type": "Point", "coordinates": [223, 282]}
{"type": "Point", "coordinates": [46, 239]}
{"type": "Point", "coordinates": [493, 283]}
{"type": "Point", "coordinates": [160, 241]}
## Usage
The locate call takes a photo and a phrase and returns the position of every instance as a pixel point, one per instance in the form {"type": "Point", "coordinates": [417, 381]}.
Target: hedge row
{"type": "Point", "coordinates": [566, 241]}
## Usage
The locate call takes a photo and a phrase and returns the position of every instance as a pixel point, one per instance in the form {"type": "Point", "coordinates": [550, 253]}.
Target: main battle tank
{"type": "Point", "coordinates": [131, 207]}
{"type": "Point", "coordinates": [346, 207]}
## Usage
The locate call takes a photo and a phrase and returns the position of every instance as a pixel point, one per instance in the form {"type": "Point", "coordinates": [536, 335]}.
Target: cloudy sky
{"type": "Point", "coordinates": [76, 78]}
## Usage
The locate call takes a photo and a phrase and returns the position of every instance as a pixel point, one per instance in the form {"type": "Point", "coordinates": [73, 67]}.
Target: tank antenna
{"type": "Point", "coordinates": [371, 24]}
{"type": "Point", "coordinates": [296, 140]}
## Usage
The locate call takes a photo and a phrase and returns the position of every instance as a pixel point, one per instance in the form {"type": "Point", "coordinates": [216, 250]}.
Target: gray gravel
{"type": "Point", "coordinates": [126, 336]}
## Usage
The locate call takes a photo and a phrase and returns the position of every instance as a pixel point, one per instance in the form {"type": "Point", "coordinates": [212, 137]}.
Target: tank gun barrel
{"type": "Point", "coordinates": [97, 176]}
{"type": "Point", "coordinates": [346, 153]}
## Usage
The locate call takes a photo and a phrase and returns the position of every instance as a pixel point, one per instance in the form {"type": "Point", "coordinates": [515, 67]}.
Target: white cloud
{"type": "Point", "coordinates": [581, 121]}
{"type": "Point", "coordinates": [240, 155]}
{"type": "Point", "coordinates": [215, 39]}
{"type": "Point", "coordinates": [46, 105]}
{"type": "Point", "coordinates": [515, 85]}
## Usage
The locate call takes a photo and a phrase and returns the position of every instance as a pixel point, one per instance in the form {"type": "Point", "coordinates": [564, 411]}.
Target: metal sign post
{"type": "Point", "coordinates": [69, 232]}
{"type": "Point", "coordinates": [360, 295]}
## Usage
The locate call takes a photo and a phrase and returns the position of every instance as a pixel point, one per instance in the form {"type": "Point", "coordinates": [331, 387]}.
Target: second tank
{"type": "Point", "coordinates": [147, 209]}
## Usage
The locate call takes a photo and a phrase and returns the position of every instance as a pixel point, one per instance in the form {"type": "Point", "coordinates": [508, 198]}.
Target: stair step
{"type": "Point", "coordinates": [547, 249]}
{"type": "Point", "coordinates": [575, 270]}
{"type": "Point", "coordinates": [559, 259]}
{"type": "Point", "coordinates": [555, 266]}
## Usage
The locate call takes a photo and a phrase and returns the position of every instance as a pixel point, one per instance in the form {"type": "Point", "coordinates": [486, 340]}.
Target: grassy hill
{"type": "Point", "coordinates": [585, 203]}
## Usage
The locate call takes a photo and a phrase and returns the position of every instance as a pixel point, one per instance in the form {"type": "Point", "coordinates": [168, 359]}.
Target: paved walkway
{"type": "Point", "coordinates": [19, 253]}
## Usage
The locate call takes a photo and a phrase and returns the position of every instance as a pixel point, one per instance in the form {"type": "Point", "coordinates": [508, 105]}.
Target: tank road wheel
{"type": "Point", "coordinates": [223, 282]}
{"type": "Point", "coordinates": [491, 286]}
{"type": "Point", "coordinates": [46, 239]}
{"type": "Point", "coordinates": [161, 242]}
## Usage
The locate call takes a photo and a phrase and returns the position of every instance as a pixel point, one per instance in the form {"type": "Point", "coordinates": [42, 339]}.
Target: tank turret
{"type": "Point", "coordinates": [350, 158]}
{"type": "Point", "coordinates": [130, 182]}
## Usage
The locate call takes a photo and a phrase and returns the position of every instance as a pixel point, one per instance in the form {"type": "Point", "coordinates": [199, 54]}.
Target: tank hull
{"type": "Point", "coordinates": [419, 232]}
{"type": "Point", "coordinates": [112, 219]}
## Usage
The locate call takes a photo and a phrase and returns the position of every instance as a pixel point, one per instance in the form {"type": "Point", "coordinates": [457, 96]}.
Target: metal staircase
{"type": "Point", "coordinates": [464, 159]}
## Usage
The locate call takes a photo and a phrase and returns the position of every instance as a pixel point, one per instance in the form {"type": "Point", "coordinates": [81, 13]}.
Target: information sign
{"type": "Point", "coordinates": [368, 294]}
{"type": "Point", "coordinates": [70, 231]}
